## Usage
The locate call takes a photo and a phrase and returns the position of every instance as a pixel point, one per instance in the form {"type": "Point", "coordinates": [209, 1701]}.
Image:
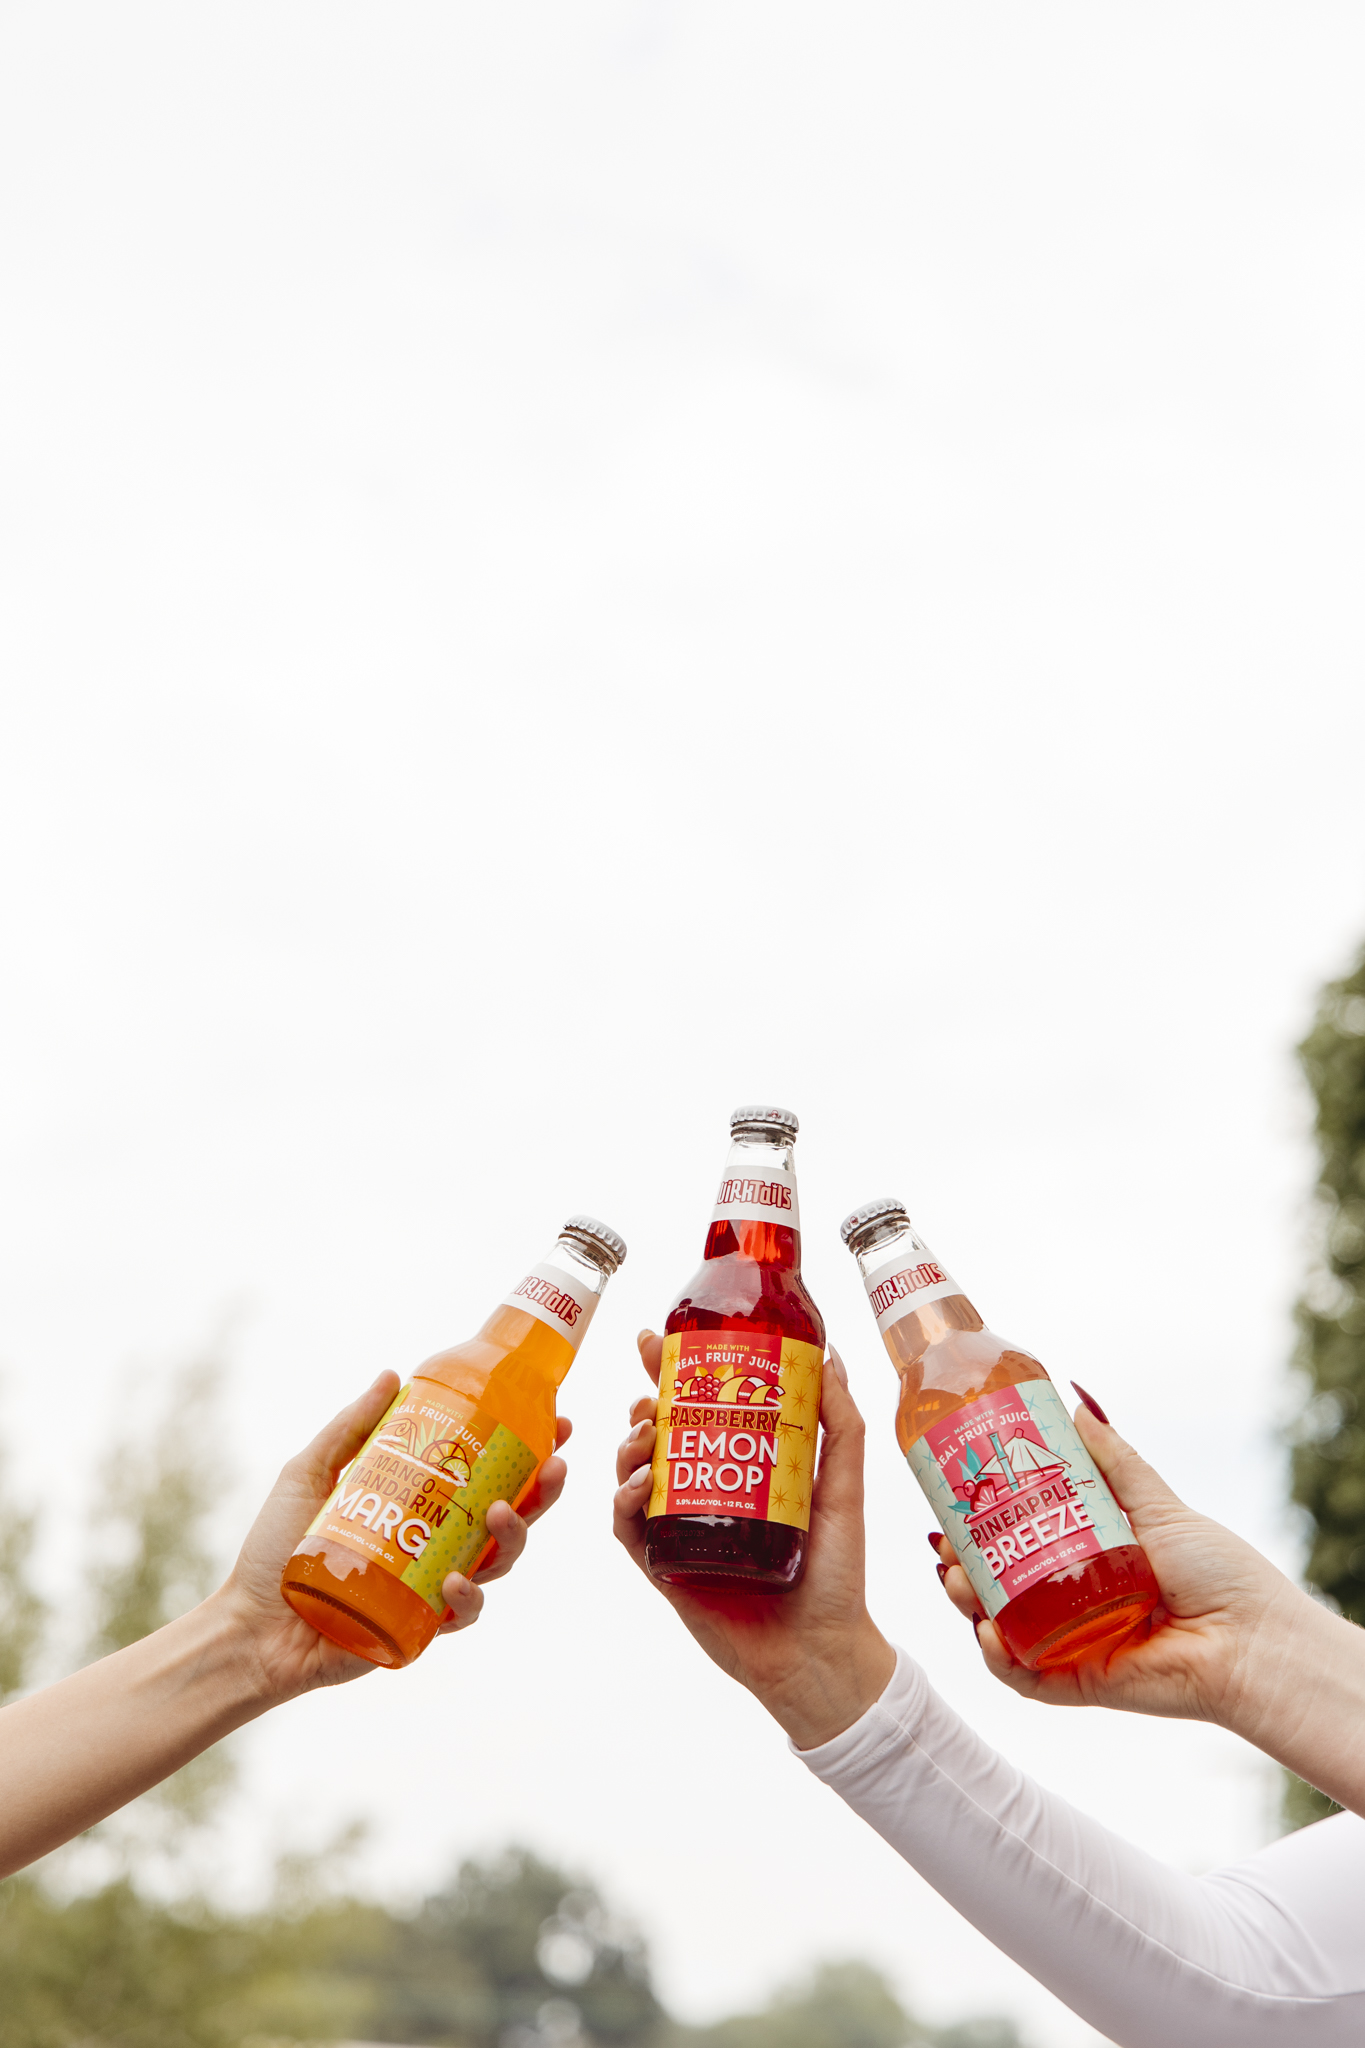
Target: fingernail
{"type": "Point", "coordinates": [837, 1365]}
{"type": "Point", "coordinates": [942, 1571]}
{"type": "Point", "coordinates": [933, 1539]}
{"type": "Point", "coordinates": [645, 1472]}
{"type": "Point", "coordinates": [1092, 1404]}
{"type": "Point", "coordinates": [643, 1339]}
{"type": "Point", "coordinates": [639, 1431]}
{"type": "Point", "coordinates": [977, 1620]}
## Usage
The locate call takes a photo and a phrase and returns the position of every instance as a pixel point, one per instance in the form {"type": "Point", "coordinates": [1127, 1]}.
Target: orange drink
{"type": "Point", "coordinates": [473, 1425]}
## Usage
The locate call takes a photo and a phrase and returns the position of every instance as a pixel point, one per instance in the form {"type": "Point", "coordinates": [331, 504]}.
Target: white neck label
{"type": "Point", "coordinates": [755, 1192]}
{"type": "Point", "coordinates": [558, 1299]}
{"type": "Point", "coordinates": [907, 1282]}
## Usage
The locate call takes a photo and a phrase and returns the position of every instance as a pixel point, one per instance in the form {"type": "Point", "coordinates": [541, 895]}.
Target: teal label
{"type": "Point", "coordinates": [1019, 1496]}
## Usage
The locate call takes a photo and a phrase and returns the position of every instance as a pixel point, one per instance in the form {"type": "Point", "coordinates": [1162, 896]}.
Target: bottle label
{"type": "Point", "coordinates": [560, 1300]}
{"type": "Point", "coordinates": [909, 1281]}
{"type": "Point", "coordinates": [1017, 1493]}
{"type": "Point", "coordinates": [765, 1194]}
{"type": "Point", "coordinates": [738, 1416]}
{"type": "Point", "coordinates": [416, 1499]}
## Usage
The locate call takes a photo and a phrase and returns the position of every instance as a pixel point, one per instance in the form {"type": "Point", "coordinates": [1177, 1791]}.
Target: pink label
{"type": "Point", "coordinates": [1016, 1490]}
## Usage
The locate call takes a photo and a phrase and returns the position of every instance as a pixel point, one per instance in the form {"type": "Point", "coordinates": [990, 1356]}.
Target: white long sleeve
{"type": "Point", "coordinates": [1269, 1953]}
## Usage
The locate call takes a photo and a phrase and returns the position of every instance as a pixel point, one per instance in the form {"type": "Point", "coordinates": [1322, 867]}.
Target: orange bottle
{"type": "Point", "coordinates": [473, 1425]}
{"type": "Point", "coordinates": [1037, 1531]}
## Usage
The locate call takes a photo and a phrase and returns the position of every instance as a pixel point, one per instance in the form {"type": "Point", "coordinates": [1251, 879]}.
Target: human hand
{"type": "Point", "coordinates": [291, 1655]}
{"type": "Point", "coordinates": [1220, 1646]}
{"type": "Point", "coordinates": [813, 1656]}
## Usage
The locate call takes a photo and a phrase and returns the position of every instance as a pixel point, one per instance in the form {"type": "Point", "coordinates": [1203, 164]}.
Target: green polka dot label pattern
{"type": "Point", "coordinates": [500, 1471]}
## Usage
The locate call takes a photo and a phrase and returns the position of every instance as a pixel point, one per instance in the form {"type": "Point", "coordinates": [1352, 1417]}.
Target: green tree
{"type": "Point", "coordinates": [484, 1959]}
{"type": "Point", "coordinates": [512, 1954]}
{"type": "Point", "coordinates": [1329, 1447]}
{"type": "Point", "coordinates": [845, 2005]}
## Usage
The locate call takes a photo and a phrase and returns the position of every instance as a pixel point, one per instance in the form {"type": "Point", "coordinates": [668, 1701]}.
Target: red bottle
{"type": "Point", "coordinates": [1042, 1539]}
{"type": "Point", "coordinates": [739, 1394]}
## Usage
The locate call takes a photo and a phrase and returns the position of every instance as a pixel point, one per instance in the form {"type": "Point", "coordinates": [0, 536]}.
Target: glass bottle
{"type": "Point", "coordinates": [473, 1425]}
{"type": "Point", "coordinates": [739, 1393]}
{"type": "Point", "coordinates": [1046, 1546]}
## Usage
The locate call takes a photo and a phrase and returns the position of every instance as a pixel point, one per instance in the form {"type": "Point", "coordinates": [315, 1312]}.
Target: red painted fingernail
{"type": "Point", "coordinates": [933, 1539]}
{"type": "Point", "coordinates": [1092, 1404]}
{"type": "Point", "coordinates": [942, 1571]}
{"type": "Point", "coordinates": [977, 1620]}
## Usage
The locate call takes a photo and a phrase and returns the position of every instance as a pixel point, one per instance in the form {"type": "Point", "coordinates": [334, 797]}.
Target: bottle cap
{"type": "Point", "coordinates": [599, 1238]}
{"type": "Point", "coordinates": [760, 1114]}
{"type": "Point", "coordinates": [871, 1212]}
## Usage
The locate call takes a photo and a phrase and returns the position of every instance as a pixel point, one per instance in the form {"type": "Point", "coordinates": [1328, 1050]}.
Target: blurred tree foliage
{"type": "Point", "coordinates": [844, 2005]}
{"type": "Point", "coordinates": [23, 1615]}
{"type": "Point", "coordinates": [512, 1955]}
{"type": "Point", "coordinates": [153, 1561]}
{"type": "Point", "coordinates": [1329, 1447]}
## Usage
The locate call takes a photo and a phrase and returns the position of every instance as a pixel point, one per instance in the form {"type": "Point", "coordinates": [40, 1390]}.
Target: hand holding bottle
{"type": "Point", "coordinates": [292, 1655]}
{"type": "Point", "coordinates": [471, 1430]}
{"type": "Point", "coordinates": [1233, 1641]}
{"type": "Point", "coordinates": [73, 1752]}
{"type": "Point", "coordinates": [813, 1656]}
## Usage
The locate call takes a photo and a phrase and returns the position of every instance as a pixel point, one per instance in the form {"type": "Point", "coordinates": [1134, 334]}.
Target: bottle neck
{"type": "Point", "coordinates": [562, 1292]}
{"type": "Point", "coordinates": [909, 1290]}
{"type": "Point", "coordinates": [757, 1215]}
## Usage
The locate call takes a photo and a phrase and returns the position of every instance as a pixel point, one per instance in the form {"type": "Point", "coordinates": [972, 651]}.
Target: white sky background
{"type": "Point", "coordinates": [564, 568]}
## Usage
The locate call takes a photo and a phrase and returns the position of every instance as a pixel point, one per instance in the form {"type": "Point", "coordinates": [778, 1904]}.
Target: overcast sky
{"type": "Point", "coordinates": [567, 567]}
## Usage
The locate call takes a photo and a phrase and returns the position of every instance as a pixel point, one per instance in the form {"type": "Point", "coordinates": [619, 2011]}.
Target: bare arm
{"type": "Point", "coordinates": [73, 1753]}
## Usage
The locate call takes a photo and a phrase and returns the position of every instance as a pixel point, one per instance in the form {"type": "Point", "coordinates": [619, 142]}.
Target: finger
{"type": "Point", "coordinates": [464, 1602]}
{"type": "Point", "coordinates": [1140, 1491]}
{"type": "Point", "coordinates": [636, 1449]}
{"type": "Point", "coordinates": [628, 1512]}
{"type": "Point", "coordinates": [994, 1655]}
{"type": "Point", "coordinates": [315, 1468]}
{"type": "Point", "coordinates": [960, 1590]}
{"type": "Point", "coordinates": [548, 1486]}
{"type": "Point", "coordinates": [651, 1350]}
{"type": "Point", "coordinates": [839, 1481]}
{"type": "Point", "coordinates": [508, 1531]}
{"type": "Point", "coordinates": [645, 1409]}
{"type": "Point", "coordinates": [563, 1431]}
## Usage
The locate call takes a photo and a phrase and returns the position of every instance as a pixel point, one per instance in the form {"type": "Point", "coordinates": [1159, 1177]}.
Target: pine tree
{"type": "Point", "coordinates": [1329, 1447]}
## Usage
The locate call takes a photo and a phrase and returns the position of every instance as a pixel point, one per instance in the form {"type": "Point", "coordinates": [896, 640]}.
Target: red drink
{"type": "Point", "coordinates": [1042, 1539]}
{"type": "Point", "coordinates": [739, 1394]}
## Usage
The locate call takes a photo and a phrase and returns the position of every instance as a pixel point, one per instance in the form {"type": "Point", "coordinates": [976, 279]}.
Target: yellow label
{"type": "Point", "coordinates": [416, 1499]}
{"type": "Point", "coordinates": [739, 1415]}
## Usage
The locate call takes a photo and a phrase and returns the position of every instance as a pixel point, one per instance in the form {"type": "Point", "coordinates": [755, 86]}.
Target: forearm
{"type": "Point", "coordinates": [1150, 1956]}
{"type": "Point", "coordinates": [73, 1753]}
{"type": "Point", "coordinates": [1301, 1698]}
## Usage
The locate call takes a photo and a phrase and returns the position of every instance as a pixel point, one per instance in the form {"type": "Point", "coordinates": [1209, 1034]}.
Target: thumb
{"type": "Point", "coordinates": [1139, 1489]}
{"type": "Point", "coordinates": [651, 1350]}
{"type": "Point", "coordinates": [337, 1442]}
